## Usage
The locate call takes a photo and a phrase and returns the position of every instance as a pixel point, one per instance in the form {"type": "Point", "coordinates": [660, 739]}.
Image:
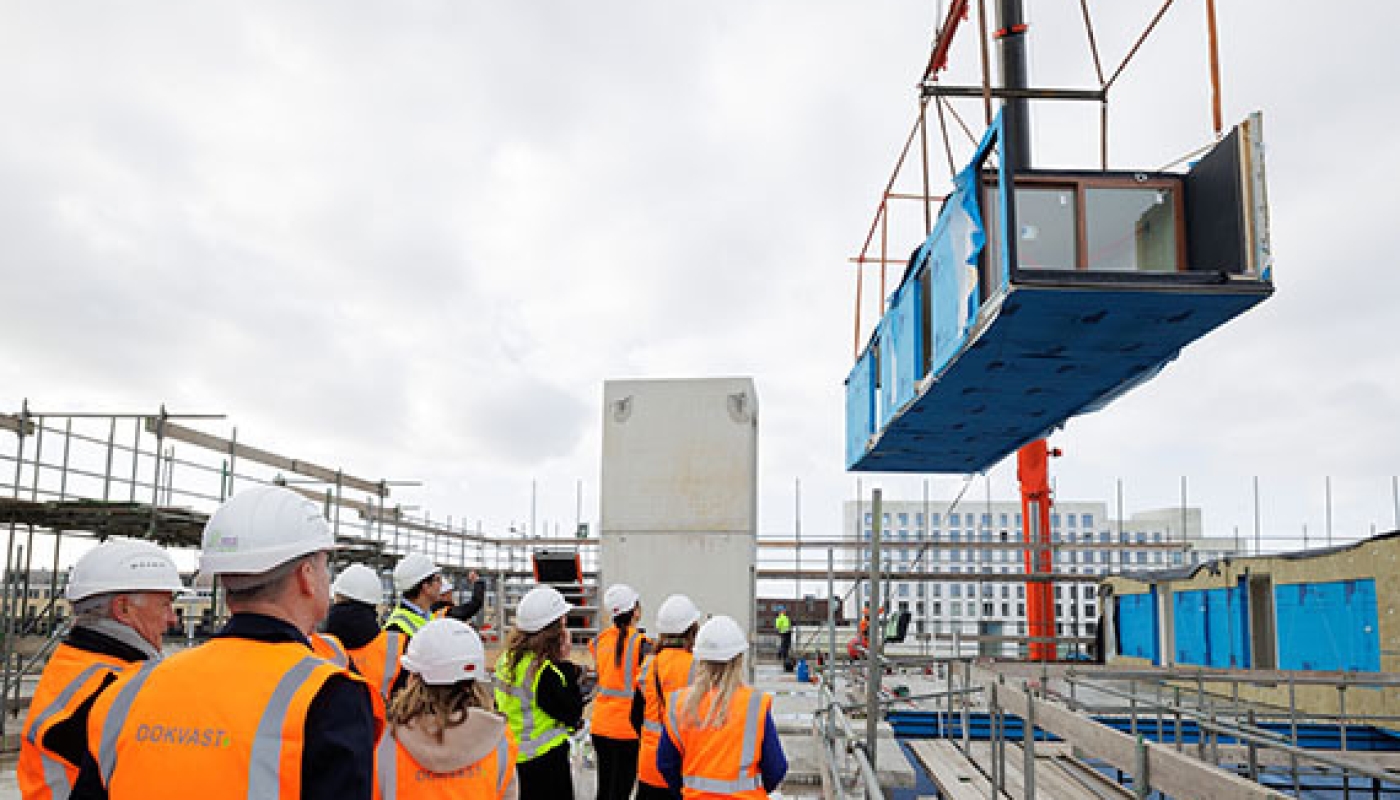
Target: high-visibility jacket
{"type": "Point", "coordinates": [516, 697]}
{"type": "Point", "coordinates": [667, 670]}
{"type": "Point", "coordinates": [405, 620]}
{"type": "Point", "coordinates": [71, 677]}
{"type": "Point", "coordinates": [228, 717]}
{"type": "Point", "coordinates": [722, 761]}
{"type": "Point", "coordinates": [378, 661]}
{"type": "Point", "coordinates": [782, 623]}
{"type": "Point", "coordinates": [329, 647]}
{"type": "Point", "coordinates": [398, 776]}
{"type": "Point", "coordinates": [617, 683]}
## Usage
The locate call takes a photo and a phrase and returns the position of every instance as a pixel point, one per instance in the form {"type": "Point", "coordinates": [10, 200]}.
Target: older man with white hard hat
{"type": "Point", "coordinates": [122, 594]}
{"type": "Point", "coordinates": [253, 712]}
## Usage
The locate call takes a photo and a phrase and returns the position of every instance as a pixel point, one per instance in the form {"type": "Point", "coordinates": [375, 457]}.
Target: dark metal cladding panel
{"type": "Point", "coordinates": [1215, 230]}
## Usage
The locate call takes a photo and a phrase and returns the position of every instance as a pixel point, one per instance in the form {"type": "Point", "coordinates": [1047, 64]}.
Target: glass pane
{"type": "Point", "coordinates": [1131, 230]}
{"type": "Point", "coordinates": [1046, 228]}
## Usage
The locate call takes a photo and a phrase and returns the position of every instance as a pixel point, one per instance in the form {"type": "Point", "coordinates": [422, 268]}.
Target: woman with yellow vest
{"type": "Point", "coordinates": [719, 739]}
{"type": "Point", "coordinates": [443, 740]}
{"type": "Point", "coordinates": [670, 669]}
{"type": "Point", "coordinates": [538, 691]}
{"type": "Point", "coordinates": [617, 656]}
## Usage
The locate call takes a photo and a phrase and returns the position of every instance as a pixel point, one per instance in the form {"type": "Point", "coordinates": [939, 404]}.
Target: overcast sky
{"type": "Point", "coordinates": [413, 239]}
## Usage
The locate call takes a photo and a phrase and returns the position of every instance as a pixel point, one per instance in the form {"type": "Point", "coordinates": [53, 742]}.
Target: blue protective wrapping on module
{"type": "Point", "coordinates": [1137, 626]}
{"type": "Point", "coordinates": [953, 249]}
{"type": "Point", "coordinates": [901, 359]}
{"type": "Point", "coordinates": [860, 406]}
{"type": "Point", "coordinates": [1328, 626]}
{"type": "Point", "coordinates": [1211, 628]}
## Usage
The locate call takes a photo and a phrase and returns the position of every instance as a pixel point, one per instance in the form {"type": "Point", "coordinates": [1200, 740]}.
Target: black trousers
{"type": "Point", "coordinates": [548, 777]}
{"type": "Point", "coordinates": [785, 648]}
{"type": "Point", "coordinates": [617, 766]}
{"type": "Point", "coordinates": [646, 791]}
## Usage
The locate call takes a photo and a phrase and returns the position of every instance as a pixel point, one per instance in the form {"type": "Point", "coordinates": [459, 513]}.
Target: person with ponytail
{"type": "Point", "coordinates": [617, 656]}
{"type": "Point", "coordinates": [444, 738]}
{"type": "Point", "coordinates": [671, 668]}
{"type": "Point", "coordinates": [718, 738]}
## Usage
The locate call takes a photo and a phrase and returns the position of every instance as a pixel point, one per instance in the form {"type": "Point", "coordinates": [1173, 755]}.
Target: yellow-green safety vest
{"type": "Point", "coordinates": [534, 728]}
{"type": "Point", "coordinates": [404, 620]}
{"type": "Point", "coordinates": [783, 624]}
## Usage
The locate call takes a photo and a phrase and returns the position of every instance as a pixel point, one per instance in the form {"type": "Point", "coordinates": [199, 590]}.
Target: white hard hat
{"type": "Point", "coordinates": [539, 607]}
{"type": "Point", "coordinates": [720, 639]}
{"type": "Point", "coordinates": [411, 570]}
{"type": "Point", "coordinates": [359, 582]}
{"type": "Point", "coordinates": [676, 615]}
{"type": "Point", "coordinates": [123, 565]}
{"type": "Point", "coordinates": [446, 651]}
{"type": "Point", "coordinates": [620, 598]}
{"type": "Point", "coordinates": [261, 528]}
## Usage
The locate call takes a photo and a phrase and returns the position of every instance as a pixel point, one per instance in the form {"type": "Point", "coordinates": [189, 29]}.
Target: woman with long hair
{"type": "Point", "coordinates": [617, 656]}
{"type": "Point", "coordinates": [537, 688]}
{"type": "Point", "coordinates": [671, 668]}
{"type": "Point", "coordinates": [719, 739]}
{"type": "Point", "coordinates": [442, 724]}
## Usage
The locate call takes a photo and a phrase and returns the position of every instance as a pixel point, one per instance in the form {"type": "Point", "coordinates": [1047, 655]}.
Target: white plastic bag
{"type": "Point", "coordinates": [584, 765]}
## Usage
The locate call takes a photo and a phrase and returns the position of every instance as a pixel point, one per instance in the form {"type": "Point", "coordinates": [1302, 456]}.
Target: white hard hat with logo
{"type": "Point", "coordinates": [620, 598]}
{"type": "Point", "coordinates": [122, 565]}
{"type": "Point", "coordinates": [676, 615]}
{"type": "Point", "coordinates": [412, 570]}
{"type": "Point", "coordinates": [720, 639]}
{"type": "Point", "coordinates": [261, 528]}
{"type": "Point", "coordinates": [444, 652]}
{"type": "Point", "coordinates": [359, 582]}
{"type": "Point", "coordinates": [539, 607]}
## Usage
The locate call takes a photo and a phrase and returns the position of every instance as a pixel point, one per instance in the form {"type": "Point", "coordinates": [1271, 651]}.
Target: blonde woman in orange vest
{"type": "Point", "coordinates": [617, 655]}
{"type": "Point", "coordinates": [719, 739]}
{"type": "Point", "coordinates": [444, 739]}
{"type": "Point", "coordinates": [671, 668]}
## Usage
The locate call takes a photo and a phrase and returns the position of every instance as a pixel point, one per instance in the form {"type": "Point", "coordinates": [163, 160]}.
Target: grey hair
{"type": "Point", "coordinates": [94, 607]}
{"type": "Point", "coordinates": [247, 588]}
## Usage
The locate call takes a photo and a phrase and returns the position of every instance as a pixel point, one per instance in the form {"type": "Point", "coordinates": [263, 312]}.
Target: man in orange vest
{"type": "Point", "coordinates": [354, 620]}
{"type": "Point", "coordinates": [253, 712]}
{"type": "Point", "coordinates": [122, 593]}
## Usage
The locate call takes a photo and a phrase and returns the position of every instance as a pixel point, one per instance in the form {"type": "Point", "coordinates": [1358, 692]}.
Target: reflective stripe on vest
{"type": "Point", "coordinates": [408, 620]}
{"type": "Point", "coordinates": [328, 647]}
{"type": "Point", "coordinates": [41, 773]}
{"type": "Point", "coordinates": [387, 766]}
{"type": "Point", "coordinates": [159, 728]}
{"type": "Point", "coordinates": [744, 782]}
{"type": "Point", "coordinates": [634, 640]}
{"type": "Point", "coordinates": [521, 711]}
{"type": "Point", "coordinates": [392, 649]}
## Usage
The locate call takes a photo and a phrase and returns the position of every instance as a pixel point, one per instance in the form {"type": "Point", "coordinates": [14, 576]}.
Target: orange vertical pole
{"type": "Point", "coordinates": [1033, 472]}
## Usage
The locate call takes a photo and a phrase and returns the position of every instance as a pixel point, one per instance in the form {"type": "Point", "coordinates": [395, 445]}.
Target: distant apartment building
{"type": "Point", "coordinates": [925, 547]}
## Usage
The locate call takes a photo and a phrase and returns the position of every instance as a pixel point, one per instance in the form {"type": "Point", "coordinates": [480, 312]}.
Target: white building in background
{"type": "Point", "coordinates": [979, 540]}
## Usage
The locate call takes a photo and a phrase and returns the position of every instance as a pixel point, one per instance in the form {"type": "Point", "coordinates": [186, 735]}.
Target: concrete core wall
{"type": "Point", "coordinates": [679, 485]}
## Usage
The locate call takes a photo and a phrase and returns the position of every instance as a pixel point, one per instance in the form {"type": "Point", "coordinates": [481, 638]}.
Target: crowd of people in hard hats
{"type": "Point", "coordinates": [305, 694]}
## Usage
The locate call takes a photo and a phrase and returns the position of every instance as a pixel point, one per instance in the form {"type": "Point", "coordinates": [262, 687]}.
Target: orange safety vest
{"type": "Point", "coordinates": [723, 761]}
{"type": "Point", "coordinates": [673, 669]}
{"type": "Point", "coordinates": [398, 776]}
{"type": "Point", "coordinates": [70, 678]}
{"type": "Point", "coordinates": [227, 717]}
{"type": "Point", "coordinates": [378, 661]}
{"type": "Point", "coordinates": [329, 647]}
{"type": "Point", "coordinates": [617, 683]}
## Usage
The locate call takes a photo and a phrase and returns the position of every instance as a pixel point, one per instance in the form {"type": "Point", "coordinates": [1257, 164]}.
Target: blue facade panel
{"type": "Point", "coordinates": [860, 407]}
{"type": "Point", "coordinates": [1211, 628]}
{"type": "Point", "coordinates": [1138, 626]}
{"type": "Point", "coordinates": [1328, 626]}
{"type": "Point", "coordinates": [901, 356]}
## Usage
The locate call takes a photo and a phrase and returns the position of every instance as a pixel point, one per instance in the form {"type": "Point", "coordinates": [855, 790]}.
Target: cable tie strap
{"type": "Point", "coordinates": [1010, 31]}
